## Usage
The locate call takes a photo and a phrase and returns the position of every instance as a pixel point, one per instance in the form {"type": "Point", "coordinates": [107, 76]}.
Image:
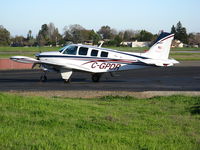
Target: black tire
{"type": "Point", "coordinates": [67, 81]}
{"type": "Point", "coordinates": [43, 78]}
{"type": "Point", "coordinates": [96, 77]}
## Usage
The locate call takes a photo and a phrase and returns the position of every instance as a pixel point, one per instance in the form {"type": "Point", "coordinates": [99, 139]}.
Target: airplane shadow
{"type": "Point", "coordinates": [195, 110]}
{"type": "Point", "coordinates": [75, 80]}
{"type": "Point", "coordinates": [26, 80]}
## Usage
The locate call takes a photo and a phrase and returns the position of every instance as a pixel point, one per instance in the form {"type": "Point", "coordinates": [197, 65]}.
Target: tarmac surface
{"type": "Point", "coordinates": [184, 77]}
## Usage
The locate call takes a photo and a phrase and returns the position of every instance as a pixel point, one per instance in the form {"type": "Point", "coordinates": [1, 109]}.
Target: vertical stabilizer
{"type": "Point", "coordinates": [161, 47]}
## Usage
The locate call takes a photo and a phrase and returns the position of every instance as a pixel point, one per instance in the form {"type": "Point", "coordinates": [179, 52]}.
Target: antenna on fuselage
{"type": "Point", "coordinates": [101, 43]}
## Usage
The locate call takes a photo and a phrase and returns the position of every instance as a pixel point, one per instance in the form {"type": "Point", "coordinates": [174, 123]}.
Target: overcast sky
{"type": "Point", "coordinates": [19, 16]}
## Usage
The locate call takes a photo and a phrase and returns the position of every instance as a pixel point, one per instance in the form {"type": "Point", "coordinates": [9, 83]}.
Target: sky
{"type": "Point", "coordinates": [20, 16]}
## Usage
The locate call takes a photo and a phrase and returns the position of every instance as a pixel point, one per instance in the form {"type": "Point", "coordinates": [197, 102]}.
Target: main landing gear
{"type": "Point", "coordinates": [67, 80]}
{"type": "Point", "coordinates": [96, 77]}
{"type": "Point", "coordinates": [66, 76]}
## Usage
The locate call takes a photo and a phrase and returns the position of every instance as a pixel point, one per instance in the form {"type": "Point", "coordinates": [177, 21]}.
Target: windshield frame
{"type": "Point", "coordinates": [65, 50]}
{"type": "Point", "coordinates": [62, 49]}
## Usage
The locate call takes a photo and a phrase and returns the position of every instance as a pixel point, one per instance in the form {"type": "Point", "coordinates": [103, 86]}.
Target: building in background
{"type": "Point", "coordinates": [135, 44]}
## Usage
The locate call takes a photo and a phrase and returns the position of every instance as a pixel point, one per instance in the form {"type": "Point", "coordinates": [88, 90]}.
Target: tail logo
{"type": "Point", "coordinates": [159, 49]}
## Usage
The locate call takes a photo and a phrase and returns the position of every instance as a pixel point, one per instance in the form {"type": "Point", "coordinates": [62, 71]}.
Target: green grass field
{"type": "Point", "coordinates": [42, 49]}
{"type": "Point", "coordinates": [141, 49]}
{"type": "Point", "coordinates": [164, 123]}
{"type": "Point", "coordinates": [28, 49]}
{"type": "Point", "coordinates": [7, 52]}
{"type": "Point", "coordinates": [186, 56]}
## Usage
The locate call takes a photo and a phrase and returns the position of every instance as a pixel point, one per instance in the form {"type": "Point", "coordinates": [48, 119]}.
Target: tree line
{"type": "Point", "coordinates": [49, 35]}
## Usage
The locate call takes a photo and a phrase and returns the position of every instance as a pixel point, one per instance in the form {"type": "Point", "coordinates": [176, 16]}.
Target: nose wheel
{"type": "Point", "coordinates": [96, 77]}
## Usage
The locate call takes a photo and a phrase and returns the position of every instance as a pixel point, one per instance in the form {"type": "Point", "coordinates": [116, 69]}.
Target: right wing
{"type": "Point", "coordinates": [29, 60]}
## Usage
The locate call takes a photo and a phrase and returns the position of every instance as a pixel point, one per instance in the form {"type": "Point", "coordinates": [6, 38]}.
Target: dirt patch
{"type": "Point", "coordinates": [96, 94]}
{"type": "Point", "coordinates": [6, 64]}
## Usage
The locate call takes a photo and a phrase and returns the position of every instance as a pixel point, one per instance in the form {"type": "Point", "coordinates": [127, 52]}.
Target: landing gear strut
{"type": "Point", "coordinates": [67, 80]}
{"type": "Point", "coordinates": [96, 77]}
{"type": "Point", "coordinates": [66, 74]}
{"type": "Point", "coordinates": [43, 78]}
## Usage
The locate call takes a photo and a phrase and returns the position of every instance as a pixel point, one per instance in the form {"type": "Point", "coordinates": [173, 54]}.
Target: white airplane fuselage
{"type": "Point", "coordinates": [115, 60]}
{"type": "Point", "coordinates": [97, 60]}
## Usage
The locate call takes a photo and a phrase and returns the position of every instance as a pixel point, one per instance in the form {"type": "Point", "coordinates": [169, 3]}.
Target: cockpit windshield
{"type": "Point", "coordinates": [70, 49]}
{"type": "Point", "coordinates": [62, 49]}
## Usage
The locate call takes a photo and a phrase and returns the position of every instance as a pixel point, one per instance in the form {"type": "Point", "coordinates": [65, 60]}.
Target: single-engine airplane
{"type": "Point", "coordinates": [98, 60]}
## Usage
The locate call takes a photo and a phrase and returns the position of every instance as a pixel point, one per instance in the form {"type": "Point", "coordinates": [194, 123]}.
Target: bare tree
{"type": "Point", "coordinates": [128, 35]}
{"type": "Point", "coordinates": [29, 41]}
{"type": "Point", "coordinates": [107, 33]}
{"type": "Point", "coordinates": [194, 39]}
{"type": "Point", "coordinates": [76, 33]}
{"type": "Point", "coordinates": [53, 34]}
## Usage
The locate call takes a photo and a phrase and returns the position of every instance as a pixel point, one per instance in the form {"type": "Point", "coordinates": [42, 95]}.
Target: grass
{"type": "Point", "coordinates": [130, 49]}
{"type": "Point", "coordinates": [186, 56]}
{"type": "Point", "coordinates": [42, 49]}
{"type": "Point", "coordinates": [186, 49]}
{"type": "Point", "coordinates": [8, 55]}
{"type": "Point", "coordinates": [141, 49]}
{"type": "Point", "coordinates": [28, 49]}
{"type": "Point", "coordinates": [101, 123]}
{"type": "Point", "coordinates": [7, 52]}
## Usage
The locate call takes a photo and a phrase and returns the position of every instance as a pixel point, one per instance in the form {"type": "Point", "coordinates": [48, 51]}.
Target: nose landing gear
{"type": "Point", "coordinates": [43, 77]}
{"type": "Point", "coordinates": [96, 77]}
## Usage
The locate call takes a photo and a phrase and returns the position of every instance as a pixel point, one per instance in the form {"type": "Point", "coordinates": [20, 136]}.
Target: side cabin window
{"type": "Point", "coordinates": [94, 52]}
{"type": "Point", "coordinates": [83, 51]}
{"type": "Point", "coordinates": [104, 54]}
{"type": "Point", "coordinates": [71, 50]}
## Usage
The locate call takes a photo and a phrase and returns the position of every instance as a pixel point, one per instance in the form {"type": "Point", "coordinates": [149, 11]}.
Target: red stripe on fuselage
{"type": "Point", "coordinates": [110, 60]}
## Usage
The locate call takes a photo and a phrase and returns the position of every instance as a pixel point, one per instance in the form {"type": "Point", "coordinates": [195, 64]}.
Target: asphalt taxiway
{"type": "Point", "coordinates": [178, 78]}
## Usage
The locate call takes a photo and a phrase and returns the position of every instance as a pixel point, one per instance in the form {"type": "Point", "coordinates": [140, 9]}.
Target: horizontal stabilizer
{"type": "Point", "coordinates": [160, 62]}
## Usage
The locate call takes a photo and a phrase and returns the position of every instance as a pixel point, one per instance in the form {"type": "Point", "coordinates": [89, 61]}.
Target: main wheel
{"type": "Point", "coordinates": [67, 80]}
{"type": "Point", "coordinates": [96, 77]}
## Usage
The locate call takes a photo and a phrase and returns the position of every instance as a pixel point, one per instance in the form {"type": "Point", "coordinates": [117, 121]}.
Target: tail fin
{"type": "Point", "coordinates": [161, 47]}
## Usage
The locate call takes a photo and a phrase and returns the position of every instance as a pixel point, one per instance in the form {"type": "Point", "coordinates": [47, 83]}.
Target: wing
{"type": "Point", "coordinates": [58, 65]}
{"type": "Point", "coordinates": [24, 59]}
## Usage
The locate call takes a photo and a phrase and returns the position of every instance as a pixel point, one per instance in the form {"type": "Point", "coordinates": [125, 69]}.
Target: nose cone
{"type": "Point", "coordinates": [37, 54]}
{"type": "Point", "coordinates": [47, 54]}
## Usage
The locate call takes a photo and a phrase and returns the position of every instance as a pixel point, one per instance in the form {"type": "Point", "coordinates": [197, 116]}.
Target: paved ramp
{"type": "Point", "coordinates": [180, 78]}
